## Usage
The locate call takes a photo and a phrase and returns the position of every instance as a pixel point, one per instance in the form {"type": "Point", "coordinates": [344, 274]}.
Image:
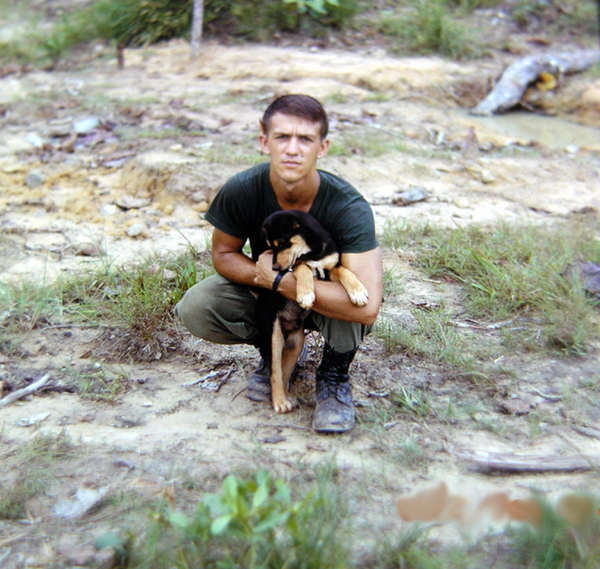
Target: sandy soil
{"type": "Point", "coordinates": [121, 191]}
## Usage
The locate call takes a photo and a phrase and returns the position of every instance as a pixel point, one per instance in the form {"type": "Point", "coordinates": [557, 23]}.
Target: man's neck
{"type": "Point", "coordinates": [300, 195]}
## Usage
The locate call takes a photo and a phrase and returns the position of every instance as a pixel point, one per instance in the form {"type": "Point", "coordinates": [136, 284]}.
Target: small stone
{"type": "Point", "coordinates": [128, 202]}
{"type": "Point", "coordinates": [138, 230]}
{"type": "Point", "coordinates": [35, 139]}
{"type": "Point", "coordinates": [487, 177]}
{"type": "Point", "coordinates": [87, 249]}
{"type": "Point", "coordinates": [108, 209]}
{"type": "Point", "coordinates": [85, 125]}
{"type": "Point", "coordinates": [34, 179]}
{"type": "Point", "coordinates": [411, 196]}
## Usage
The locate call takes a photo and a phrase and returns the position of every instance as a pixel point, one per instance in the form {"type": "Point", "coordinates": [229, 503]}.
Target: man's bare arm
{"type": "Point", "coordinates": [229, 261]}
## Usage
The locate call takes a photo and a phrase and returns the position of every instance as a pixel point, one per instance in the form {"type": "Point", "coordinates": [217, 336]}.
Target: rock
{"type": "Point", "coordinates": [515, 406]}
{"type": "Point", "coordinates": [411, 196]}
{"type": "Point", "coordinates": [138, 230]}
{"type": "Point", "coordinates": [34, 179]}
{"type": "Point", "coordinates": [35, 139]}
{"type": "Point", "coordinates": [127, 202]}
{"type": "Point", "coordinates": [487, 177]}
{"type": "Point", "coordinates": [87, 250]}
{"type": "Point", "coordinates": [85, 125]}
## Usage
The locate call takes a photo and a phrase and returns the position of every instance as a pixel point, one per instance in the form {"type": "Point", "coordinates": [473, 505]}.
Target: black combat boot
{"type": "Point", "coordinates": [259, 382]}
{"type": "Point", "coordinates": [335, 411]}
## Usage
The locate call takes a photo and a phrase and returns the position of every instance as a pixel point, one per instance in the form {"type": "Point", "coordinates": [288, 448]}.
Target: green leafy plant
{"type": "Point", "coordinates": [253, 522]}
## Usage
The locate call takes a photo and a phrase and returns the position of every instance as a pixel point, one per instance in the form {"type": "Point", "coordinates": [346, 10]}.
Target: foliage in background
{"type": "Point", "coordinates": [422, 26]}
{"type": "Point", "coordinates": [429, 26]}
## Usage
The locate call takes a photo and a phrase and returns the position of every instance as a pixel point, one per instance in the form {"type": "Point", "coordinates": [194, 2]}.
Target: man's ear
{"type": "Point", "coordinates": [262, 139]}
{"type": "Point", "coordinates": [324, 148]}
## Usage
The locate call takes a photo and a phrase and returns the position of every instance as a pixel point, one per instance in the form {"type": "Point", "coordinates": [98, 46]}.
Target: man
{"type": "Point", "coordinates": [221, 308]}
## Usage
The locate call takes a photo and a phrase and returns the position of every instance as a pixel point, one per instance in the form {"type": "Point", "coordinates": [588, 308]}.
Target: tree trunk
{"type": "Point", "coordinates": [197, 19]}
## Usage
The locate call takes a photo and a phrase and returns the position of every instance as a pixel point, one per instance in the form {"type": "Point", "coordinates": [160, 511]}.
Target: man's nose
{"type": "Point", "coordinates": [292, 147]}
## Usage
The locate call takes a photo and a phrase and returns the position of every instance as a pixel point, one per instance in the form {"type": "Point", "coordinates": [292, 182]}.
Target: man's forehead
{"type": "Point", "coordinates": [290, 124]}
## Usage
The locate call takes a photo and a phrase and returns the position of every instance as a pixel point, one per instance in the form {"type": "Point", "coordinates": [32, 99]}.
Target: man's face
{"type": "Point", "coordinates": [294, 145]}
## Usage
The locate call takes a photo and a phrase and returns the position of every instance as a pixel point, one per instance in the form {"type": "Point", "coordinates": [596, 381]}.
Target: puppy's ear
{"type": "Point", "coordinates": [263, 233]}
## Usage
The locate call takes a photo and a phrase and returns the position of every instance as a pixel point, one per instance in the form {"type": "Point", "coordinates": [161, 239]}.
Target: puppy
{"type": "Point", "coordinates": [301, 245]}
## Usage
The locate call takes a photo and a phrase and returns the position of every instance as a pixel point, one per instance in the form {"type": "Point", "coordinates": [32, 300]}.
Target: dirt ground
{"type": "Point", "coordinates": [161, 137]}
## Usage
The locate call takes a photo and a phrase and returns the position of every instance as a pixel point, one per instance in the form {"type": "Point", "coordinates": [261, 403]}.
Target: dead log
{"type": "Point", "coordinates": [530, 464]}
{"type": "Point", "coordinates": [511, 87]}
{"type": "Point", "coordinates": [16, 395]}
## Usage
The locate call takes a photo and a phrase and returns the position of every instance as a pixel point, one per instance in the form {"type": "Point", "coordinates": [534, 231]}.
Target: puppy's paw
{"type": "Point", "coordinates": [284, 406]}
{"type": "Point", "coordinates": [360, 296]}
{"type": "Point", "coordinates": [306, 300]}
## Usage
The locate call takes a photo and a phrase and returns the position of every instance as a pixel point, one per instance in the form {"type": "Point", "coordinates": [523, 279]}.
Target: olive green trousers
{"type": "Point", "coordinates": [223, 312]}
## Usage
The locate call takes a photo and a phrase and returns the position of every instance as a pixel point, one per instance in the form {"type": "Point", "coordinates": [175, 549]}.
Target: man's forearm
{"type": "Point", "coordinates": [333, 301]}
{"type": "Point", "coordinates": [235, 267]}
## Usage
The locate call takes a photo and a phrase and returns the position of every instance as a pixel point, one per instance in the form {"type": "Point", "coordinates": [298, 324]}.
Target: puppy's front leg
{"type": "Point", "coordinates": [305, 285]}
{"type": "Point", "coordinates": [357, 292]}
{"type": "Point", "coordinates": [279, 388]}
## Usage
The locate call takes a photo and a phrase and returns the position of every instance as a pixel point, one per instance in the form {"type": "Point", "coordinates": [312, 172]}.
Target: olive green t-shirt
{"type": "Point", "coordinates": [247, 199]}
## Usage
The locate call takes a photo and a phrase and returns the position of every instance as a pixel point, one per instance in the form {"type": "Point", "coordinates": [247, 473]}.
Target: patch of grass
{"type": "Point", "coordinates": [99, 381]}
{"type": "Point", "coordinates": [411, 400]}
{"type": "Point", "coordinates": [428, 26]}
{"type": "Point", "coordinates": [35, 460]}
{"type": "Point", "coordinates": [24, 306]}
{"type": "Point", "coordinates": [433, 337]}
{"type": "Point", "coordinates": [371, 143]}
{"type": "Point", "coordinates": [513, 272]}
{"type": "Point", "coordinates": [578, 16]}
{"type": "Point", "coordinates": [552, 546]}
{"type": "Point", "coordinates": [234, 155]}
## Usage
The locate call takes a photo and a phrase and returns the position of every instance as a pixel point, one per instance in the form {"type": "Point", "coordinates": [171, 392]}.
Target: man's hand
{"type": "Point", "coordinates": [265, 275]}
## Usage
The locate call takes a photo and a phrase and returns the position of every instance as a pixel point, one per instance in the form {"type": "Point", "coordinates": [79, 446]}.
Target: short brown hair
{"type": "Point", "coordinates": [301, 106]}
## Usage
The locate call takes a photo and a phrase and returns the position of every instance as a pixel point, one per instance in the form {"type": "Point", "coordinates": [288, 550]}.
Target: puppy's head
{"type": "Point", "coordinates": [281, 232]}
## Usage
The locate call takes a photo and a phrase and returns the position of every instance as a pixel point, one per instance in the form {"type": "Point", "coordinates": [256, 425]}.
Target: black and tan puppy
{"type": "Point", "coordinates": [299, 244]}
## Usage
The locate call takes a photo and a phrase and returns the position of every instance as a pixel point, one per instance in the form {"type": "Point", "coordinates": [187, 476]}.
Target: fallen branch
{"type": "Point", "coordinates": [16, 395]}
{"type": "Point", "coordinates": [510, 463]}
{"type": "Point", "coordinates": [587, 431]}
{"type": "Point", "coordinates": [511, 87]}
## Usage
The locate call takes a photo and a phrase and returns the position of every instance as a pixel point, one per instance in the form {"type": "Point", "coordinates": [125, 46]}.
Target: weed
{"type": "Point", "coordinates": [391, 286]}
{"type": "Point", "coordinates": [27, 304]}
{"type": "Point", "coordinates": [411, 400]}
{"type": "Point", "coordinates": [35, 460]}
{"type": "Point", "coordinates": [253, 522]}
{"type": "Point", "coordinates": [99, 381]}
{"type": "Point", "coordinates": [411, 454]}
